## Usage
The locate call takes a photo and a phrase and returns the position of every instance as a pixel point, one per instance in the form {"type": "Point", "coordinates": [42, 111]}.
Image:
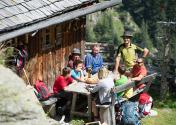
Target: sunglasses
{"type": "Point", "coordinates": [139, 62]}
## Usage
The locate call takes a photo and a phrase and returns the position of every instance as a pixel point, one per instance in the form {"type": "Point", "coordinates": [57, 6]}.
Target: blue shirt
{"type": "Point", "coordinates": [75, 74]}
{"type": "Point", "coordinates": [94, 62]}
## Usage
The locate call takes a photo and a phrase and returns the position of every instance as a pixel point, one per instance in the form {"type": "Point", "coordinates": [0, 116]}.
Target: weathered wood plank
{"type": "Point", "coordinates": [2, 4]}
{"type": "Point", "coordinates": [19, 1]}
{"type": "Point", "coordinates": [2, 26]}
{"type": "Point", "coordinates": [129, 85]}
{"type": "Point", "coordinates": [5, 13]}
{"type": "Point", "coordinates": [40, 13]}
{"type": "Point", "coordinates": [59, 5]}
{"type": "Point", "coordinates": [46, 1]}
{"type": "Point", "coordinates": [1, 17]}
{"type": "Point", "coordinates": [45, 11]}
{"type": "Point", "coordinates": [54, 8]}
{"type": "Point", "coordinates": [10, 22]}
{"type": "Point", "coordinates": [35, 15]}
{"type": "Point", "coordinates": [9, 2]}
{"type": "Point", "coordinates": [21, 8]}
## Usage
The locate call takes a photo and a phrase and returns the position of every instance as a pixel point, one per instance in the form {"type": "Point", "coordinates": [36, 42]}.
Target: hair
{"type": "Point", "coordinates": [66, 71]}
{"type": "Point", "coordinates": [103, 73]}
{"type": "Point", "coordinates": [96, 46]}
{"type": "Point", "coordinates": [77, 62]}
{"type": "Point", "coordinates": [122, 70]}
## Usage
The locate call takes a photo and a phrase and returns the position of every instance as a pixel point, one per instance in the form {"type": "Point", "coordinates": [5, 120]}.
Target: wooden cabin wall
{"type": "Point", "coordinates": [49, 62]}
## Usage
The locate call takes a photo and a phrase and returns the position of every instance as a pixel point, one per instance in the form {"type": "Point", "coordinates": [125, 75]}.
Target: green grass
{"type": "Point", "coordinates": [166, 116]}
{"type": "Point", "coordinates": [77, 121]}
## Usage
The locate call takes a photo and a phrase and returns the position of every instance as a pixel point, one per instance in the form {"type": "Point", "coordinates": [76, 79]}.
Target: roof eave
{"type": "Point", "coordinates": [59, 19]}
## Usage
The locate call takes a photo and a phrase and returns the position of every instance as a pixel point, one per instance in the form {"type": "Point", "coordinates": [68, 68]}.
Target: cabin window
{"type": "Point", "coordinates": [46, 39]}
{"type": "Point", "coordinates": [58, 35]}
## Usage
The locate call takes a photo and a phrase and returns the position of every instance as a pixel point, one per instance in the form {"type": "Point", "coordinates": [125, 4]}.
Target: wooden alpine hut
{"type": "Point", "coordinates": [49, 29]}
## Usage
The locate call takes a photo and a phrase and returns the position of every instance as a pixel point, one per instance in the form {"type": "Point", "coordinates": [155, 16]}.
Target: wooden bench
{"type": "Point", "coordinates": [49, 106]}
{"type": "Point", "coordinates": [107, 111]}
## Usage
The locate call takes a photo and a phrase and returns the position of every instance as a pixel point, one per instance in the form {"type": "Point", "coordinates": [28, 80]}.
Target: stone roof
{"type": "Point", "coordinates": [19, 13]}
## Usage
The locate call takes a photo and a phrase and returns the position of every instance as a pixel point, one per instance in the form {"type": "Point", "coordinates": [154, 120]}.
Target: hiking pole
{"type": "Point", "coordinates": [26, 76]}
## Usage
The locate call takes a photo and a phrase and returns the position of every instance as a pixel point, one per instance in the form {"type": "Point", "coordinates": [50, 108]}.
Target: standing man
{"type": "Point", "coordinates": [94, 60]}
{"type": "Point", "coordinates": [127, 51]}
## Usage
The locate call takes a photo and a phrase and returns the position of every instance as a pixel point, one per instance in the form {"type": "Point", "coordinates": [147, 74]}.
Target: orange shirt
{"type": "Point", "coordinates": [139, 70]}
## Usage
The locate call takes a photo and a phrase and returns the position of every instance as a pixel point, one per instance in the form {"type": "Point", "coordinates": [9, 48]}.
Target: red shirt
{"type": "Point", "coordinates": [139, 70]}
{"type": "Point", "coordinates": [60, 83]}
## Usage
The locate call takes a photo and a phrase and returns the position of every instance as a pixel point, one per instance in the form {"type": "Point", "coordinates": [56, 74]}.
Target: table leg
{"type": "Point", "coordinates": [89, 107]}
{"type": "Point", "coordinates": [73, 104]}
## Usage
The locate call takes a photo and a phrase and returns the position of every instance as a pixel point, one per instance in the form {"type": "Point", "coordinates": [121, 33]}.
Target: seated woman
{"type": "Point", "coordinates": [60, 83]}
{"type": "Point", "coordinates": [103, 87]}
{"type": "Point", "coordinates": [77, 72]}
{"type": "Point", "coordinates": [122, 80]}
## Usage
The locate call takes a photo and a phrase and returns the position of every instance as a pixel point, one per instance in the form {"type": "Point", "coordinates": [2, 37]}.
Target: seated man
{"type": "Point", "coordinates": [94, 61]}
{"type": "Point", "coordinates": [73, 57]}
{"type": "Point", "coordinates": [60, 83]}
{"type": "Point", "coordinates": [77, 72]}
{"type": "Point", "coordinates": [138, 72]}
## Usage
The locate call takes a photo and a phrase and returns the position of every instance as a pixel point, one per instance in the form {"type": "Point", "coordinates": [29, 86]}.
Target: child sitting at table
{"type": "Point", "coordinates": [60, 83]}
{"type": "Point", "coordinates": [77, 72]}
{"type": "Point", "coordinates": [123, 80]}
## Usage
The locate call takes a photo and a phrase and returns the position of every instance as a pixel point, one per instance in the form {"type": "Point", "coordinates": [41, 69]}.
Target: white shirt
{"type": "Point", "coordinates": [104, 87]}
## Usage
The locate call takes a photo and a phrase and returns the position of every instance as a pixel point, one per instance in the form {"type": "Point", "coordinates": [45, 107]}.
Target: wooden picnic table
{"type": "Point", "coordinates": [80, 88]}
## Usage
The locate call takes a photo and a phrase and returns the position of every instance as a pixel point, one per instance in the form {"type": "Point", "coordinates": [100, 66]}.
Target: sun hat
{"type": "Point", "coordinates": [76, 51]}
{"type": "Point", "coordinates": [127, 33]}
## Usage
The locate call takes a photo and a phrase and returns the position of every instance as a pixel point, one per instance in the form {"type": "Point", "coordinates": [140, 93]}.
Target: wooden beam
{"type": "Point", "coordinates": [59, 19]}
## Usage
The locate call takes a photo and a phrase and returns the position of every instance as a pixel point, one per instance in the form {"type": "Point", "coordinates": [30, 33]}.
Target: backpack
{"type": "Point", "coordinates": [145, 104]}
{"type": "Point", "coordinates": [130, 114]}
{"type": "Point", "coordinates": [21, 58]}
{"type": "Point", "coordinates": [43, 92]}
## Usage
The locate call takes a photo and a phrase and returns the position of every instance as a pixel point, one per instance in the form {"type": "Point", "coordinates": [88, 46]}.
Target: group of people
{"type": "Point", "coordinates": [133, 69]}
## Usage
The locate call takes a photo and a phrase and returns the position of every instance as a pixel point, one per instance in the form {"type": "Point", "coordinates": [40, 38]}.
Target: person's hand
{"type": "Point", "coordinates": [74, 82]}
{"type": "Point", "coordinates": [113, 90]}
{"type": "Point", "coordinates": [88, 87]}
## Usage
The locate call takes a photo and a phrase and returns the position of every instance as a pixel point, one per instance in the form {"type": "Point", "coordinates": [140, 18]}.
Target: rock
{"type": "Point", "coordinates": [18, 104]}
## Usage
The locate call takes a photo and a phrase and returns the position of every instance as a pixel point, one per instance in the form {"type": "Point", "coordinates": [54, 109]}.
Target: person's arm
{"type": "Point", "coordinates": [146, 52]}
{"type": "Point", "coordinates": [88, 61]}
{"type": "Point", "coordinates": [101, 61]}
{"type": "Point", "coordinates": [96, 88]}
{"type": "Point", "coordinates": [76, 77]}
{"type": "Point", "coordinates": [138, 78]}
{"type": "Point", "coordinates": [117, 60]}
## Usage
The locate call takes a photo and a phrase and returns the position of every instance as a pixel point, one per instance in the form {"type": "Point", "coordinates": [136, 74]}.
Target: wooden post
{"type": "Point", "coordinates": [73, 104]}
{"type": "Point", "coordinates": [89, 107]}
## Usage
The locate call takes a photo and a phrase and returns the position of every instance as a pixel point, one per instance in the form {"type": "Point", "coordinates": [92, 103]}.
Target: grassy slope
{"type": "Point", "coordinates": [166, 116]}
